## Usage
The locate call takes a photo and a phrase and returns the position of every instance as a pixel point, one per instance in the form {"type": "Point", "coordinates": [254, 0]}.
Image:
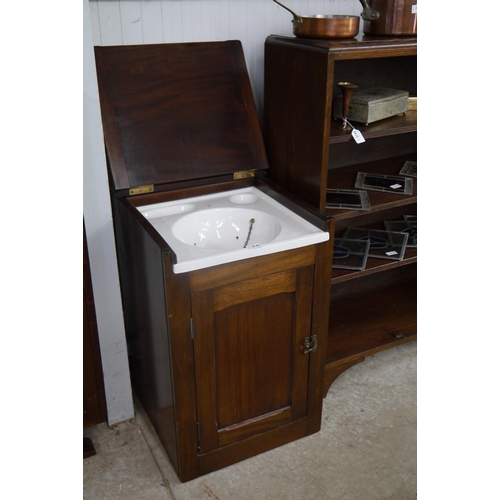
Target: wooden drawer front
{"type": "Point", "coordinates": [251, 373]}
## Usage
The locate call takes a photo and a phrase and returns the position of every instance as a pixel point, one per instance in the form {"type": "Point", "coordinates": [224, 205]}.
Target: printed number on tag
{"type": "Point", "coordinates": [358, 136]}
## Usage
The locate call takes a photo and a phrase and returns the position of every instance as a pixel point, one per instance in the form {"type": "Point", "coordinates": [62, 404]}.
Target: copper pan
{"type": "Point", "coordinates": [397, 18]}
{"type": "Point", "coordinates": [324, 26]}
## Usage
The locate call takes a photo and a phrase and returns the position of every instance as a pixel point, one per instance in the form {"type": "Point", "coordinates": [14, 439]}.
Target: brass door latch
{"type": "Point", "coordinates": [310, 344]}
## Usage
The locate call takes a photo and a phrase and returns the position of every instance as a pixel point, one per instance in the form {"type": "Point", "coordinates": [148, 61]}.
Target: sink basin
{"type": "Point", "coordinates": [228, 226]}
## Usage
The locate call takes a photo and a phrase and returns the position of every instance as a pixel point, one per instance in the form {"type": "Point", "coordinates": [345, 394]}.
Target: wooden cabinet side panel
{"type": "Point", "coordinates": [183, 370]}
{"type": "Point", "coordinates": [142, 280]}
{"type": "Point", "coordinates": [319, 327]}
{"type": "Point", "coordinates": [297, 112]}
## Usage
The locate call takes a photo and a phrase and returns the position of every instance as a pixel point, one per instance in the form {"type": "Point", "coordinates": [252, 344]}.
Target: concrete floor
{"type": "Point", "coordinates": [366, 449]}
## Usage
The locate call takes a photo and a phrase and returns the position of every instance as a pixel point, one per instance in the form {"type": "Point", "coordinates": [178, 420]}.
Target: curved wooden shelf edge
{"type": "Point", "coordinates": [333, 370]}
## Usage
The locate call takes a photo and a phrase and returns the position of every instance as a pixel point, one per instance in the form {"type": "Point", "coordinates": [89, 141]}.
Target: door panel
{"type": "Point", "coordinates": [253, 346]}
{"type": "Point", "coordinates": [251, 373]}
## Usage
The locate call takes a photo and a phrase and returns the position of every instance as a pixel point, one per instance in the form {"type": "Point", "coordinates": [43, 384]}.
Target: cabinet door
{"type": "Point", "coordinates": [251, 371]}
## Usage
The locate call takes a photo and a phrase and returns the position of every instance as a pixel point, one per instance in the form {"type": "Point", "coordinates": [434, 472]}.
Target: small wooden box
{"type": "Point", "coordinates": [371, 105]}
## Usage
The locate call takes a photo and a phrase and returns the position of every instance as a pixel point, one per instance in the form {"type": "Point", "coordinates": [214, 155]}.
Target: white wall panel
{"type": "Point", "coordinates": [172, 21]}
{"type": "Point", "coordinates": [101, 244]}
{"type": "Point", "coordinates": [109, 22]}
{"type": "Point", "coordinates": [93, 10]}
{"type": "Point", "coordinates": [131, 23]}
{"type": "Point", "coordinates": [152, 22]}
{"type": "Point", "coordinates": [126, 22]}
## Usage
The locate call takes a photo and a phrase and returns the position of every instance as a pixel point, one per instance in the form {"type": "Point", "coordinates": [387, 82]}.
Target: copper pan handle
{"type": "Point", "coordinates": [297, 20]}
{"type": "Point", "coordinates": [369, 13]}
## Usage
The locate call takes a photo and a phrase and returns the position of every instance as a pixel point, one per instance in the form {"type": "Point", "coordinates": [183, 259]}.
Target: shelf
{"type": "Point", "coordinates": [390, 126]}
{"type": "Point", "coordinates": [373, 322]}
{"type": "Point", "coordinates": [345, 178]}
{"type": "Point", "coordinates": [374, 266]}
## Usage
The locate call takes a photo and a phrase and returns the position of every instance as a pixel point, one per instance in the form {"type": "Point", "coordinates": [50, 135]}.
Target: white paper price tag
{"type": "Point", "coordinates": [392, 252]}
{"type": "Point", "coordinates": [358, 136]}
{"type": "Point", "coordinates": [396, 186]}
{"type": "Point", "coordinates": [414, 9]}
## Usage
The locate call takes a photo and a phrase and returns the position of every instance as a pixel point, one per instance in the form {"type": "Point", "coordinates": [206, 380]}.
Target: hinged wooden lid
{"type": "Point", "coordinates": [177, 112]}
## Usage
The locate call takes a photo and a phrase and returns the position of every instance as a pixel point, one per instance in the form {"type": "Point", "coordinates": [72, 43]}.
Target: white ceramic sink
{"type": "Point", "coordinates": [228, 226]}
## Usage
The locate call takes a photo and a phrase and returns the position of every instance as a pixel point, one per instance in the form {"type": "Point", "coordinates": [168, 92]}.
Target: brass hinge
{"type": "Point", "coordinates": [244, 174]}
{"type": "Point", "coordinates": [141, 189]}
{"type": "Point", "coordinates": [310, 344]}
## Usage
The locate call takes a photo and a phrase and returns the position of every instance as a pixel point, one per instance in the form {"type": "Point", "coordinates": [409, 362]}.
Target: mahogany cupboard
{"type": "Point", "coordinates": [376, 308]}
{"type": "Point", "coordinates": [227, 360]}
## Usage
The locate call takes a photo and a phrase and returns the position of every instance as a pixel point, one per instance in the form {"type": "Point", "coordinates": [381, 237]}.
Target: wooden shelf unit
{"type": "Point", "coordinates": [373, 309]}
